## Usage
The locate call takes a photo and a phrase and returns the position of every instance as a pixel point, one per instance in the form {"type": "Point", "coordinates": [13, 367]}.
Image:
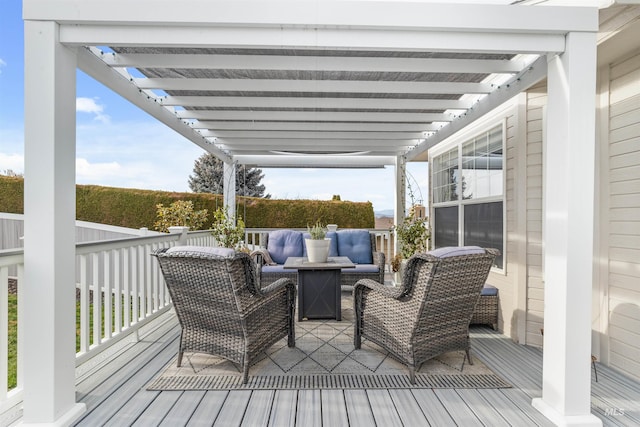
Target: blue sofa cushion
{"type": "Point", "coordinates": [355, 244]}
{"type": "Point", "coordinates": [489, 290]}
{"type": "Point", "coordinates": [276, 269]}
{"type": "Point", "coordinates": [333, 245]}
{"type": "Point", "coordinates": [284, 243]}
{"type": "Point", "coordinates": [362, 268]}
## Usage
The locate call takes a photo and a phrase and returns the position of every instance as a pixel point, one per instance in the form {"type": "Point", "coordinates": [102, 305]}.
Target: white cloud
{"type": "Point", "coordinates": [90, 105]}
{"type": "Point", "coordinates": [2, 64]}
{"type": "Point", "coordinates": [15, 162]}
{"type": "Point", "coordinates": [95, 171]}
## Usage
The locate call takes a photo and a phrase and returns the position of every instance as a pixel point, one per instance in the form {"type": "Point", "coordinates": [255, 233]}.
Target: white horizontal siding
{"type": "Point", "coordinates": [624, 216]}
{"type": "Point", "coordinates": [536, 100]}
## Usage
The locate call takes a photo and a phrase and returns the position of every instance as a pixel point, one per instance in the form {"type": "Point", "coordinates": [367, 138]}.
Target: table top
{"type": "Point", "coordinates": [333, 263]}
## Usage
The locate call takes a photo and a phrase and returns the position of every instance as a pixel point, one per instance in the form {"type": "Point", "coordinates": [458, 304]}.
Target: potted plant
{"type": "Point", "coordinates": [413, 237]}
{"type": "Point", "coordinates": [227, 232]}
{"type": "Point", "coordinates": [317, 245]}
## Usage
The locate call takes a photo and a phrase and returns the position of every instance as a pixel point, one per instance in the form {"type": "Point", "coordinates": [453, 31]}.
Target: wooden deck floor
{"type": "Point", "coordinates": [115, 395]}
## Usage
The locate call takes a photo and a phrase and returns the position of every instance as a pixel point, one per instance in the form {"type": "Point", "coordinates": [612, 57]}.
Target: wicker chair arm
{"type": "Point", "coordinates": [371, 285]}
{"type": "Point", "coordinates": [280, 283]}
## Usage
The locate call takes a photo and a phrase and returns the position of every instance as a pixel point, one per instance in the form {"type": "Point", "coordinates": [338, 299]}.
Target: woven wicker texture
{"type": "Point", "coordinates": [221, 309]}
{"type": "Point", "coordinates": [429, 314]}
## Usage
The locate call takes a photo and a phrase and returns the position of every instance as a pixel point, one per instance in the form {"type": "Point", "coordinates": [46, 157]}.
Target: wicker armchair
{"type": "Point", "coordinates": [430, 313]}
{"type": "Point", "coordinates": [221, 309]}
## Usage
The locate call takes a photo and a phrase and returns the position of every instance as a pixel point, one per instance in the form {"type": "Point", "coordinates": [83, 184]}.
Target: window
{"type": "Point", "coordinates": [468, 193]}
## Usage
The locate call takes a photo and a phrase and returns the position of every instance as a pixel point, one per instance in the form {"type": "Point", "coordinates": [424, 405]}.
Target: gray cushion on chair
{"type": "Point", "coordinates": [205, 250]}
{"type": "Point", "coordinates": [449, 251]}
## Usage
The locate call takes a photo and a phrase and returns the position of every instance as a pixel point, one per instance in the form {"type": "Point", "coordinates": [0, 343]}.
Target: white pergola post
{"type": "Point", "coordinates": [229, 188]}
{"type": "Point", "coordinates": [400, 196]}
{"type": "Point", "coordinates": [49, 228]}
{"type": "Point", "coordinates": [568, 244]}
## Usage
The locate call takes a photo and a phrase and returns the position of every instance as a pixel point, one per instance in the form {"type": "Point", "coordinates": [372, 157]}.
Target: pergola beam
{"type": "Point", "coordinates": [314, 102]}
{"type": "Point", "coordinates": [282, 85]}
{"type": "Point", "coordinates": [313, 63]}
{"type": "Point", "coordinates": [316, 126]}
{"type": "Point", "coordinates": [316, 161]}
{"type": "Point", "coordinates": [305, 116]}
{"type": "Point", "coordinates": [422, 16]}
{"type": "Point", "coordinates": [311, 135]}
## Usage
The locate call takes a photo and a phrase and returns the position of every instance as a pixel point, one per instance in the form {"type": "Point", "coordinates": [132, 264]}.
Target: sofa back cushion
{"type": "Point", "coordinates": [282, 244]}
{"type": "Point", "coordinates": [355, 244]}
{"type": "Point", "coordinates": [333, 245]}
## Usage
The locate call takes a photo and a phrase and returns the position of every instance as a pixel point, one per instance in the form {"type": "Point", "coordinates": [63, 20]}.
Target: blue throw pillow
{"type": "Point", "coordinates": [284, 243]}
{"type": "Point", "coordinates": [355, 244]}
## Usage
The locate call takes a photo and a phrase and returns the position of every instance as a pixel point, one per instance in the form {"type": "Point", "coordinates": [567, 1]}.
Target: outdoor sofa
{"type": "Point", "coordinates": [356, 244]}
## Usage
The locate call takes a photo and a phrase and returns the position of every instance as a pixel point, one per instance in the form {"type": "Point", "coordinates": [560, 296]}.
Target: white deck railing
{"type": "Point", "coordinates": [119, 290]}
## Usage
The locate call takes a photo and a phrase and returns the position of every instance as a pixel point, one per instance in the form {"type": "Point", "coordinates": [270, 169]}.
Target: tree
{"type": "Point", "coordinates": [208, 177]}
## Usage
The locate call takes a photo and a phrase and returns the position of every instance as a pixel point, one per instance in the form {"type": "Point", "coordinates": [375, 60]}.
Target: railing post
{"type": "Point", "coordinates": [182, 240]}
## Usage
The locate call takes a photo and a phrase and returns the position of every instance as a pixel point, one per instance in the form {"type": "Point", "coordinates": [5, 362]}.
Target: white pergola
{"type": "Point", "coordinates": [322, 83]}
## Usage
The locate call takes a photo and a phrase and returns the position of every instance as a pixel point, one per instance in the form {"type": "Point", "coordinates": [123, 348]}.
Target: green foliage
{"type": "Point", "coordinates": [227, 232]}
{"type": "Point", "coordinates": [12, 368]}
{"type": "Point", "coordinates": [12, 200]}
{"type": "Point", "coordinates": [317, 232]}
{"type": "Point", "coordinates": [180, 213]}
{"type": "Point", "coordinates": [208, 177]}
{"type": "Point", "coordinates": [135, 208]}
{"type": "Point", "coordinates": [413, 235]}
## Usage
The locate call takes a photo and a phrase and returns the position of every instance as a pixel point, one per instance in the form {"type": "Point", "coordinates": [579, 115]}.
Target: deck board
{"type": "Point", "coordinates": [208, 409]}
{"type": "Point", "coordinates": [483, 408]}
{"type": "Point", "coordinates": [309, 408]}
{"type": "Point", "coordinates": [432, 408]}
{"type": "Point", "coordinates": [283, 412]}
{"type": "Point", "coordinates": [259, 408]}
{"type": "Point", "coordinates": [408, 409]}
{"type": "Point", "coordinates": [115, 394]}
{"type": "Point", "coordinates": [234, 408]}
{"type": "Point", "coordinates": [156, 412]}
{"type": "Point", "coordinates": [180, 413]}
{"type": "Point", "coordinates": [334, 408]}
{"type": "Point", "coordinates": [457, 408]}
{"type": "Point", "coordinates": [358, 408]}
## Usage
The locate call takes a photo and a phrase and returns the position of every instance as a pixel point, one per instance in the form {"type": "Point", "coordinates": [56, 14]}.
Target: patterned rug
{"type": "Point", "coordinates": [324, 358]}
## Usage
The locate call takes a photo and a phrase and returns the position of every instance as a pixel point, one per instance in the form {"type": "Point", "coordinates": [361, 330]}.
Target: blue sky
{"type": "Point", "coordinates": [119, 145]}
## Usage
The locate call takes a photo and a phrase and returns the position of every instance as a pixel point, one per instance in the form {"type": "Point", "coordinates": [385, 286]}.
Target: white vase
{"type": "Point", "coordinates": [317, 250]}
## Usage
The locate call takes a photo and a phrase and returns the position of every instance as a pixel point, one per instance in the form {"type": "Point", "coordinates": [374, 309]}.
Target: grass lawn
{"type": "Point", "coordinates": [13, 340]}
{"type": "Point", "coordinates": [13, 334]}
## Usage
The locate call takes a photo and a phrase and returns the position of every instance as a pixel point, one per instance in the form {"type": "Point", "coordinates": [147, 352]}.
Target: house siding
{"type": "Point", "coordinates": [623, 228]}
{"type": "Point", "coordinates": [536, 101]}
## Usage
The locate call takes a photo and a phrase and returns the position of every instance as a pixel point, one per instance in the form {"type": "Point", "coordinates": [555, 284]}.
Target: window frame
{"type": "Point", "coordinates": [461, 202]}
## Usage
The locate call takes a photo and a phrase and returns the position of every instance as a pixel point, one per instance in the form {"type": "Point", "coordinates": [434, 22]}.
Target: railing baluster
{"type": "Point", "coordinates": [134, 285]}
{"type": "Point", "coordinates": [117, 294]}
{"type": "Point", "coordinates": [149, 280]}
{"type": "Point", "coordinates": [142, 286]}
{"type": "Point", "coordinates": [20, 370]}
{"type": "Point", "coordinates": [97, 299]}
{"type": "Point", "coordinates": [4, 331]}
{"type": "Point", "coordinates": [126, 277]}
{"type": "Point", "coordinates": [106, 286]}
{"type": "Point", "coordinates": [84, 304]}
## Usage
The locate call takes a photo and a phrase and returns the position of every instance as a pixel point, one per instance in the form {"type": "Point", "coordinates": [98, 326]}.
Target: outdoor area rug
{"type": "Point", "coordinates": [324, 358]}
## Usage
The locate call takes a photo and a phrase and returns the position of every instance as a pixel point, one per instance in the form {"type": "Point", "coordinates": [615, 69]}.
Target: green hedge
{"type": "Point", "coordinates": [137, 208]}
